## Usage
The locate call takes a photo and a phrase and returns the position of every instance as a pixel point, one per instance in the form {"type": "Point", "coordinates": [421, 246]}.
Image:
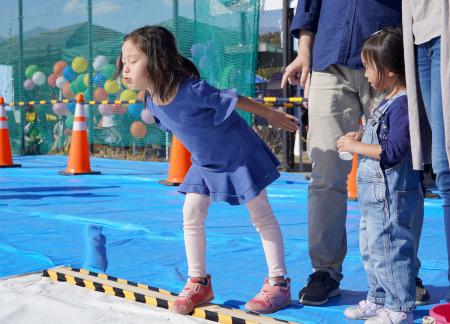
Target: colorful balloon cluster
{"type": "Point", "coordinates": [35, 77]}
{"type": "Point", "coordinates": [74, 78]}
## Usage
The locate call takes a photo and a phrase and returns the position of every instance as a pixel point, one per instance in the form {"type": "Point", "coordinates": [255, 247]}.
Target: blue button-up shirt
{"type": "Point", "coordinates": [342, 26]}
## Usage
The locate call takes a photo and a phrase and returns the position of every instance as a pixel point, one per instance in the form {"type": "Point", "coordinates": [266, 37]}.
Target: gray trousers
{"type": "Point", "coordinates": [338, 97]}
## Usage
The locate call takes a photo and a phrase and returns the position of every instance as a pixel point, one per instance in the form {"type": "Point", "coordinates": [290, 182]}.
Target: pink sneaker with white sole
{"type": "Point", "coordinates": [270, 298]}
{"type": "Point", "coordinates": [194, 294]}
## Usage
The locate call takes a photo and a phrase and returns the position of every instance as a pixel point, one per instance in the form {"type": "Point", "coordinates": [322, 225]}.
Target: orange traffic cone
{"type": "Point", "coordinates": [351, 180]}
{"type": "Point", "coordinates": [5, 144]}
{"type": "Point", "coordinates": [79, 145]}
{"type": "Point", "coordinates": [179, 164]}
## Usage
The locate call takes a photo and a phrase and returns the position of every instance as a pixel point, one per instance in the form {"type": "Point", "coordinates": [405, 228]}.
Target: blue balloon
{"type": "Point", "coordinates": [71, 107]}
{"type": "Point", "coordinates": [134, 110]}
{"type": "Point", "coordinates": [69, 74]}
{"type": "Point", "coordinates": [99, 79]}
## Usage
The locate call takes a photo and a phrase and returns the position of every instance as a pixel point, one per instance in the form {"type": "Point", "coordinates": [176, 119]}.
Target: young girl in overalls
{"type": "Point", "coordinates": [388, 188]}
{"type": "Point", "coordinates": [229, 161]}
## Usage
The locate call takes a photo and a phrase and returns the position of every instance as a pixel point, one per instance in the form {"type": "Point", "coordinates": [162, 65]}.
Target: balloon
{"type": "Point", "coordinates": [28, 84]}
{"type": "Point", "coordinates": [147, 117]}
{"type": "Point", "coordinates": [67, 92]}
{"type": "Point", "coordinates": [60, 82]}
{"type": "Point", "coordinates": [86, 94]}
{"type": "Point", "coordinates": [203, 63]}
{"type": "Point", "coordinates": [108, 71]}
{"type": "Point", "coordinates": [128, 95]}
{"type": "Point", "coordinates": [100, 62]}
{"type": "Point", "coordinates": [60, 109]}
{"type": "Point", "coordinates": [100, 94]}
{"type": "Point", "coordinates": [71, 107]}
{"type": "Point", "coordinates": [79, 64]}
{"type": "Point", "coordinates": [141, 95]}
{"type": "Point", "coordinates": [59, 67]}
{"type": "Point", "coordinates": [69, 122]}
{"type": "Point", "coordinates": [86, 79]}
{"type": "Point", "coordinates": [105, 110]}
{"type": "Point", "coordinates": [80, 83]}
{"type": "Point", "coordinates": [134, 110]}
{"type": "Point", "coordinates": [51, 80]}
{"type": "Point", "coordinates": [74, 87]}
{"type": "Point", "coordinates": [118, 109]}
{"type": "Point", "coordinates": [38, 78]}
{"type": "Point", "coordinates": [68, 73]}
{"type": "Point", "coordinates": [30, 70]}
{"type": "Point", "coordinates": [99, 79]}
{"type": "Point", "coordinates": [138, 129]}
{"type": "Point", "coordinates": [111, 86]}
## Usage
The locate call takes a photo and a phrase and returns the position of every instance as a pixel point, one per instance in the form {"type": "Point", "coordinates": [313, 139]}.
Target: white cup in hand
{"type": "Point", "coordinates": [346, 156]}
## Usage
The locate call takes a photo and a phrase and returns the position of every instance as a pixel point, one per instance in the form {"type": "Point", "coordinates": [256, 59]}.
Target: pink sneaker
{"type": "Point", "coordinates": [193, 294]}
{"type": "Point", "coordinates": [270, 298]}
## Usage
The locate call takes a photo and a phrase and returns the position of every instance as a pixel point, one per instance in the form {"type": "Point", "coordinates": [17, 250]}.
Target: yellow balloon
{"type": "Point", "coordinates": [111, 86]}
{"type": "Point", "coordinates": [128, 95]}
{"type": "Point", "coordinates": [79, 64]}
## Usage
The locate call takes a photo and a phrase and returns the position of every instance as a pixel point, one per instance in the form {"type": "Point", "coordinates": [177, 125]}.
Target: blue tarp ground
{"type": "Point", "coordinates": [48, 220]}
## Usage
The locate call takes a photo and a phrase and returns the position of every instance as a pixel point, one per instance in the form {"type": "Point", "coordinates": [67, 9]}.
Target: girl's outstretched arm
{"type": "Point", "coordinates": [350, 144]}
{"type": "Point", "coordinates": [275, 117]}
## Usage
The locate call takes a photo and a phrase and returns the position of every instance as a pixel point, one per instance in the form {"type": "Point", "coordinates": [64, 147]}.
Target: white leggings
{"type": "Point", "coordinates": [195, 210]}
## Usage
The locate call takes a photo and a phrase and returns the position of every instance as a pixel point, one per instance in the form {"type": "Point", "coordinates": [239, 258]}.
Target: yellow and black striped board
{"type": "Point", "coordinates": [152, 296]}
{"type": "Point", "coordinates": [269, 101]}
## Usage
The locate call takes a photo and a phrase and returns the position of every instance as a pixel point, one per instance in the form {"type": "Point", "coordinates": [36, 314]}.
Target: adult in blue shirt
{"type": "Point", "coordinates": [331, 34]}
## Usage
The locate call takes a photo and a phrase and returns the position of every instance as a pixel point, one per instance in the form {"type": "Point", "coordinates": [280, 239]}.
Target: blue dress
{"type": "Point", "coordinates": [230, 162]}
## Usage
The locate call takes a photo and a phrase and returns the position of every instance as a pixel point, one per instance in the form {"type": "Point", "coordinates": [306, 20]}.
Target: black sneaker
{"type": "Point", "coordinates": [422, 295]}
{"type": "Point", "coordinates": [319, 288]}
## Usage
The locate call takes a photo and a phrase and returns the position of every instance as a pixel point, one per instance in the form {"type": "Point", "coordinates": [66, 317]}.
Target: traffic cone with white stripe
{"type": "Point", "coordinates": [79, 145]}
{"type": "Point", "coordinates": [6, 160]}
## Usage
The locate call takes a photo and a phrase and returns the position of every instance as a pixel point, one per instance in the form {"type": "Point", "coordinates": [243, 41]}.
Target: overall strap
{"type": "Point", "coordinates": [381, 110]}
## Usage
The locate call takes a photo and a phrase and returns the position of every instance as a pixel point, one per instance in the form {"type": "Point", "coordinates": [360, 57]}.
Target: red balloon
{"type": "Point", "coordinates": [52, 80]}
{"type": "Point", "coordinates": [100, 94]}
{"type": "Point", "coordinates": [118, 109]}
{"type": "Point", "coordinates": [58, 68]}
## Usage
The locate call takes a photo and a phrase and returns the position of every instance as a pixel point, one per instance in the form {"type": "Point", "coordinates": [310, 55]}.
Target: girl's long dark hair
{"type": "Point", "coordinates": [384, 50]}
{"type": "Point", "coordinates": [166, 67]}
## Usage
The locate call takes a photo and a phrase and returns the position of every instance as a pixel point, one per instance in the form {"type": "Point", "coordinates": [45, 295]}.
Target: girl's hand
{"type": "Point", "coordinates": [280, 119]}
{"type": "Point", "coordinates": [347, 143]}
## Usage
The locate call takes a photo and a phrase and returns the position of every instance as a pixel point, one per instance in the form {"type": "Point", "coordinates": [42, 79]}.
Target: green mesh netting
{"type": "Point", "coordinates": [61, 43]}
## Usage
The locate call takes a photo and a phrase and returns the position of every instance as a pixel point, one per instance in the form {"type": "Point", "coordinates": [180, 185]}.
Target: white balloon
{"type": "Point", "coordinates": [38, 78]}
{"type": "Point", "coordinates": [147, 116]}
{"type": "Point", "coordinates": [60, 82]}
{"type": "Point", "coordinates": [60, 109]}
{"type": "Point", "coordinates": [100, 62]}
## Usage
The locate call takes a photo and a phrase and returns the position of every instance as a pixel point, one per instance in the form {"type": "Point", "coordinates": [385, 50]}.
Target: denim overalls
{"type": "Point", "coordinates": [388, 199]}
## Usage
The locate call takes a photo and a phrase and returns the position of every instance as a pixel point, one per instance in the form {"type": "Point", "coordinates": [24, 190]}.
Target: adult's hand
{"type": "Point", "coordinates": [297, 72]}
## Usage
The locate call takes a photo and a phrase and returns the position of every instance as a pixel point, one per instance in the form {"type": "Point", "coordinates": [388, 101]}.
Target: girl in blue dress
{"type": "Point", "coordinates": [229, 161]}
